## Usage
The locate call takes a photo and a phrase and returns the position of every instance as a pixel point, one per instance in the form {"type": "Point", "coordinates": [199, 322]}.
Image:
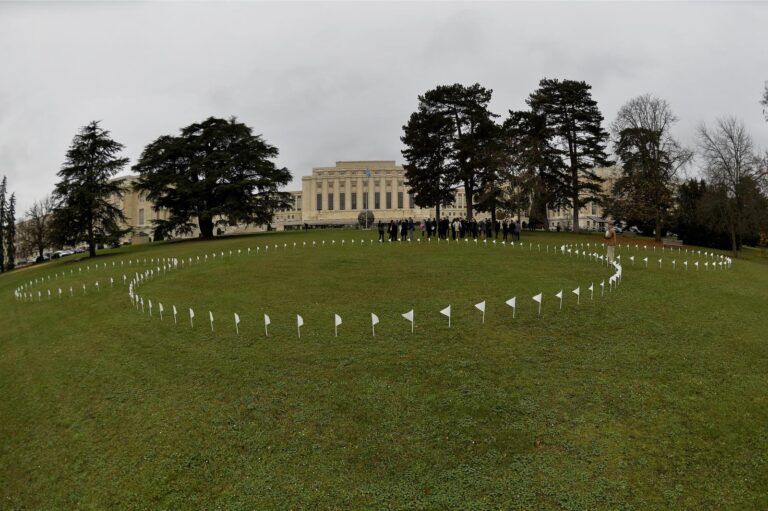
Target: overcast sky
{"type": "Point", "coordinates": [336, 81]}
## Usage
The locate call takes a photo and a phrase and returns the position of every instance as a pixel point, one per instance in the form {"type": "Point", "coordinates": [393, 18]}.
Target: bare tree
{"type": "Point", "coordinates": [730, 161]}
{"type": "Point", "coordinates": [652, 159]}
{"type": "Point", "coordinates": [37, 225]}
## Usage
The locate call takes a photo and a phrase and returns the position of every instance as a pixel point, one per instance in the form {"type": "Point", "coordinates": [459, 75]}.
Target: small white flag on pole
{"type": "Point", "coordinates": [267, 322]}
{"type": "Point", "coordinates": [577, 292]}
{"type": "Point", "coordinates": [336, 323]}
{"type": "Point", "coordinates": [150, 308]}
{"type": "Point", "coordinates": [160, 308]}
{"type": "Point", "coordinates": [409, 316]}
{"type": "Point", "coordinates": [481, 307]}
{"type": "Point", "coordinates": [237, 322]}
{"type": "Point", "coordinates": [602, 288]}
{"type": "Point", "coordinates": [591, 290]}
{"type": "Point", "coordinates": [538, 298]}
{"type": "Point", "coordinates": [559, 294]}
{"type": "Point", "coordinates": [191, 318]}
{"type": "Point", "coordinates": [645, 260]}
{"type": "Point", "coordinates": [210, 316]}
{"type": "Point", "coordinates": [374, 320]}
{"type": "Point", "coordinates": [447, 312]}
{"type": "Point", "coordinates": [299, 322]}
{"type": "Point", "coordinates": [174, 314]}
{"type": "Point", "coordinates": [512, 302]}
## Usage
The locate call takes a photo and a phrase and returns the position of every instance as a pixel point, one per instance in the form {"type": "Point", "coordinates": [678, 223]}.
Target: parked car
{"type": "Point", "coordinates": [635, 229]}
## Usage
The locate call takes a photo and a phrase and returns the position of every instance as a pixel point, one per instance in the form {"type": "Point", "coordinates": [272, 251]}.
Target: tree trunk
{"type": "Point", "coordinates": [734, 246]}
{"type": "Point", "coordinates": [437, 212]}
{"type": "Point", "coordinates": [469, 190]}
{"type": "Point", "coordinates": [658, 227]}
{"type": "Point", "coordinates": [575, 199]}
{"type": "Point", "coordinates": [206, 226]}
{"type": "Point", "coordinates": [91, 240]}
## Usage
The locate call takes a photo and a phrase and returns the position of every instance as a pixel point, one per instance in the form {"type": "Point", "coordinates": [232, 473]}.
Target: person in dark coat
{"type": "Point", "coordinates": [504, 230]}
{"type": "Point", "coordinates": [381, 231]}
{"type": "Point", "coordinates": [403, 230]}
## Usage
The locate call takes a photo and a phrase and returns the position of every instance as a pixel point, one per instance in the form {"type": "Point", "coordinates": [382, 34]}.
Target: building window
{"type": "Point", "coordinates": [594, 208]}
{"type": "Point", "coordinates": [365, 200]}
{"type": "Point", "coordinates": [342, 201]}
{"type": "Point", "coordinates": [376, 200]}
{"type": "Point", "coordinates": [389, 200]}
{"type": "Point", "coordinates": [411, 203]}
{"type": "Point", "coordinates": [330, 201]}
{"type": "Point", "coordinates": [298, 202]}
{"type": "Point", "coordinates": [353, 198]}
{"type": "Point", "coordinates": [399, 200]}
{"type": "Point", "coordinates": [141, 216]}
{"type": "Point", "coordinates": [319, 203]}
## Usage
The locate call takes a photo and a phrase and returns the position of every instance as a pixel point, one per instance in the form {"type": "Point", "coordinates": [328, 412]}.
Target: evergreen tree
{"type": "Point", "coordinates": [429, 171]}
{"type": "Point", "coordinates": [216, 171]}
{"type": "Point", "coordinates": [3, 206]}
{"type": "Point", "coordinates": [457, 116]}
{"type": "Point", "coordinates": [538, 174]}
{"type": "Point", "coordinates": [10, 234]}
{"type": "Point", "coordinates": [575, 131]}
{"type": "Point", "coordinates": [85, 194]}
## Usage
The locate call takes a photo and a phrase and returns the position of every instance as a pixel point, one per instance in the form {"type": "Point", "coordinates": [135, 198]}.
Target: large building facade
{"type": "Point", "coordinates": [335, 196]}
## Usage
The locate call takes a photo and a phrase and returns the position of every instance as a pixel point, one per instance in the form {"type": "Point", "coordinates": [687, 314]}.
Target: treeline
{"type": "Point", "coordinates": [214, 172]}
{"type": "Point", "coordinates": [546, 157]}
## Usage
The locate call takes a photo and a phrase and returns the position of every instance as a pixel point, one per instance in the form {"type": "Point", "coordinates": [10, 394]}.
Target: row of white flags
{"type": "Point", "coordinates": [409, 316]}
{"type": "Point", "coordinates": [719, 261]}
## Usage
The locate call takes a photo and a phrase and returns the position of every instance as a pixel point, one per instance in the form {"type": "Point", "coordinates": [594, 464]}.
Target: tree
{"type": "Point", "coordinates": [576, 133]}
{"type": "Point", "coordinates": [3, 191]}
{"type": "Point", "coordinates": [10, 233]}
{"type": "Point", "coordinates": [216, 171]}
{"type": "Point", "coordinates": [538, 174]}
{"type": "Point", "coordinates": [429, 171]}
{"type": "Point", "coordinates": [731, 163]}
{"type": "Point", "coordinates": [38, 224]}
{"type": "Point", "coordinates": [447, 138]}
{"type": "Point", "coordinates": [494, 169]}
{"type": "Point", "coordinates": [651, 160]}
{"type": "Point", "coordinates": [84, 209]}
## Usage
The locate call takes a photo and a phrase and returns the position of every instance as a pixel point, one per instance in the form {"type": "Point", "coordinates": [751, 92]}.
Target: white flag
{"type": "Point", "coordinates": [150, 308]}
{"type": "Point", "coordinates": [577, 292]}
{"type": "Point", "coordinates": [538, 298]}
{"type": "Point", "coordinates": [237, 322]}
{"type": "Point", "coordinates": [591, 290]}
{"type": "Point", "coordinates": [512, 302]}
{"type": "Point", "coordinates": [481, 307]}
{"type": "Point", "coordinates": [409, 316]}
{"type": "Point", "coordinates": [210, 316]}
{"type": "Point", "coordinates": [267, 322]}
{"type": "Point", "coordinates": [560, 295]}
{"type": "Point", "coordinates": [336, 323]}
{"type": "Point", "coordinates": [447, 312]}
{"type": "Point", "coordinates": [299, 322]}
{"type": "Point", "coordinates": [160, 308]}
{"type": "Point", "coordinates": [191, 317]}
{"type": "Point", "coordinates": [374, 321]}
{"type": "Point", "coordinates": [174, 314]}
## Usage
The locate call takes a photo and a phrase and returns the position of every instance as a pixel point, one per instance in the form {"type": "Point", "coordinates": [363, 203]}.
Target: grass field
{"type": "Point", "coordinates": [652, 397]}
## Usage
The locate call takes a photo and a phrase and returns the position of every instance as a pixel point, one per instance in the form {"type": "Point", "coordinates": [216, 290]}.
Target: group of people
{"type": "Point", "coordinates": [458, 228]}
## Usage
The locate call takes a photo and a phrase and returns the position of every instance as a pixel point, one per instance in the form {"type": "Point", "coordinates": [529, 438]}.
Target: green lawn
{"type": "Point", "coordinates": [652, 397]}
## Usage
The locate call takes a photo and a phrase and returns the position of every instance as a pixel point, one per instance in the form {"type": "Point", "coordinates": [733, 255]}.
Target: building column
{"type": "Point", "coordinates": [347, 193]}
{"type": "Point", "coordinates": [324, 196]}
{"type": "Point", "coordinates": [359, 192]}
